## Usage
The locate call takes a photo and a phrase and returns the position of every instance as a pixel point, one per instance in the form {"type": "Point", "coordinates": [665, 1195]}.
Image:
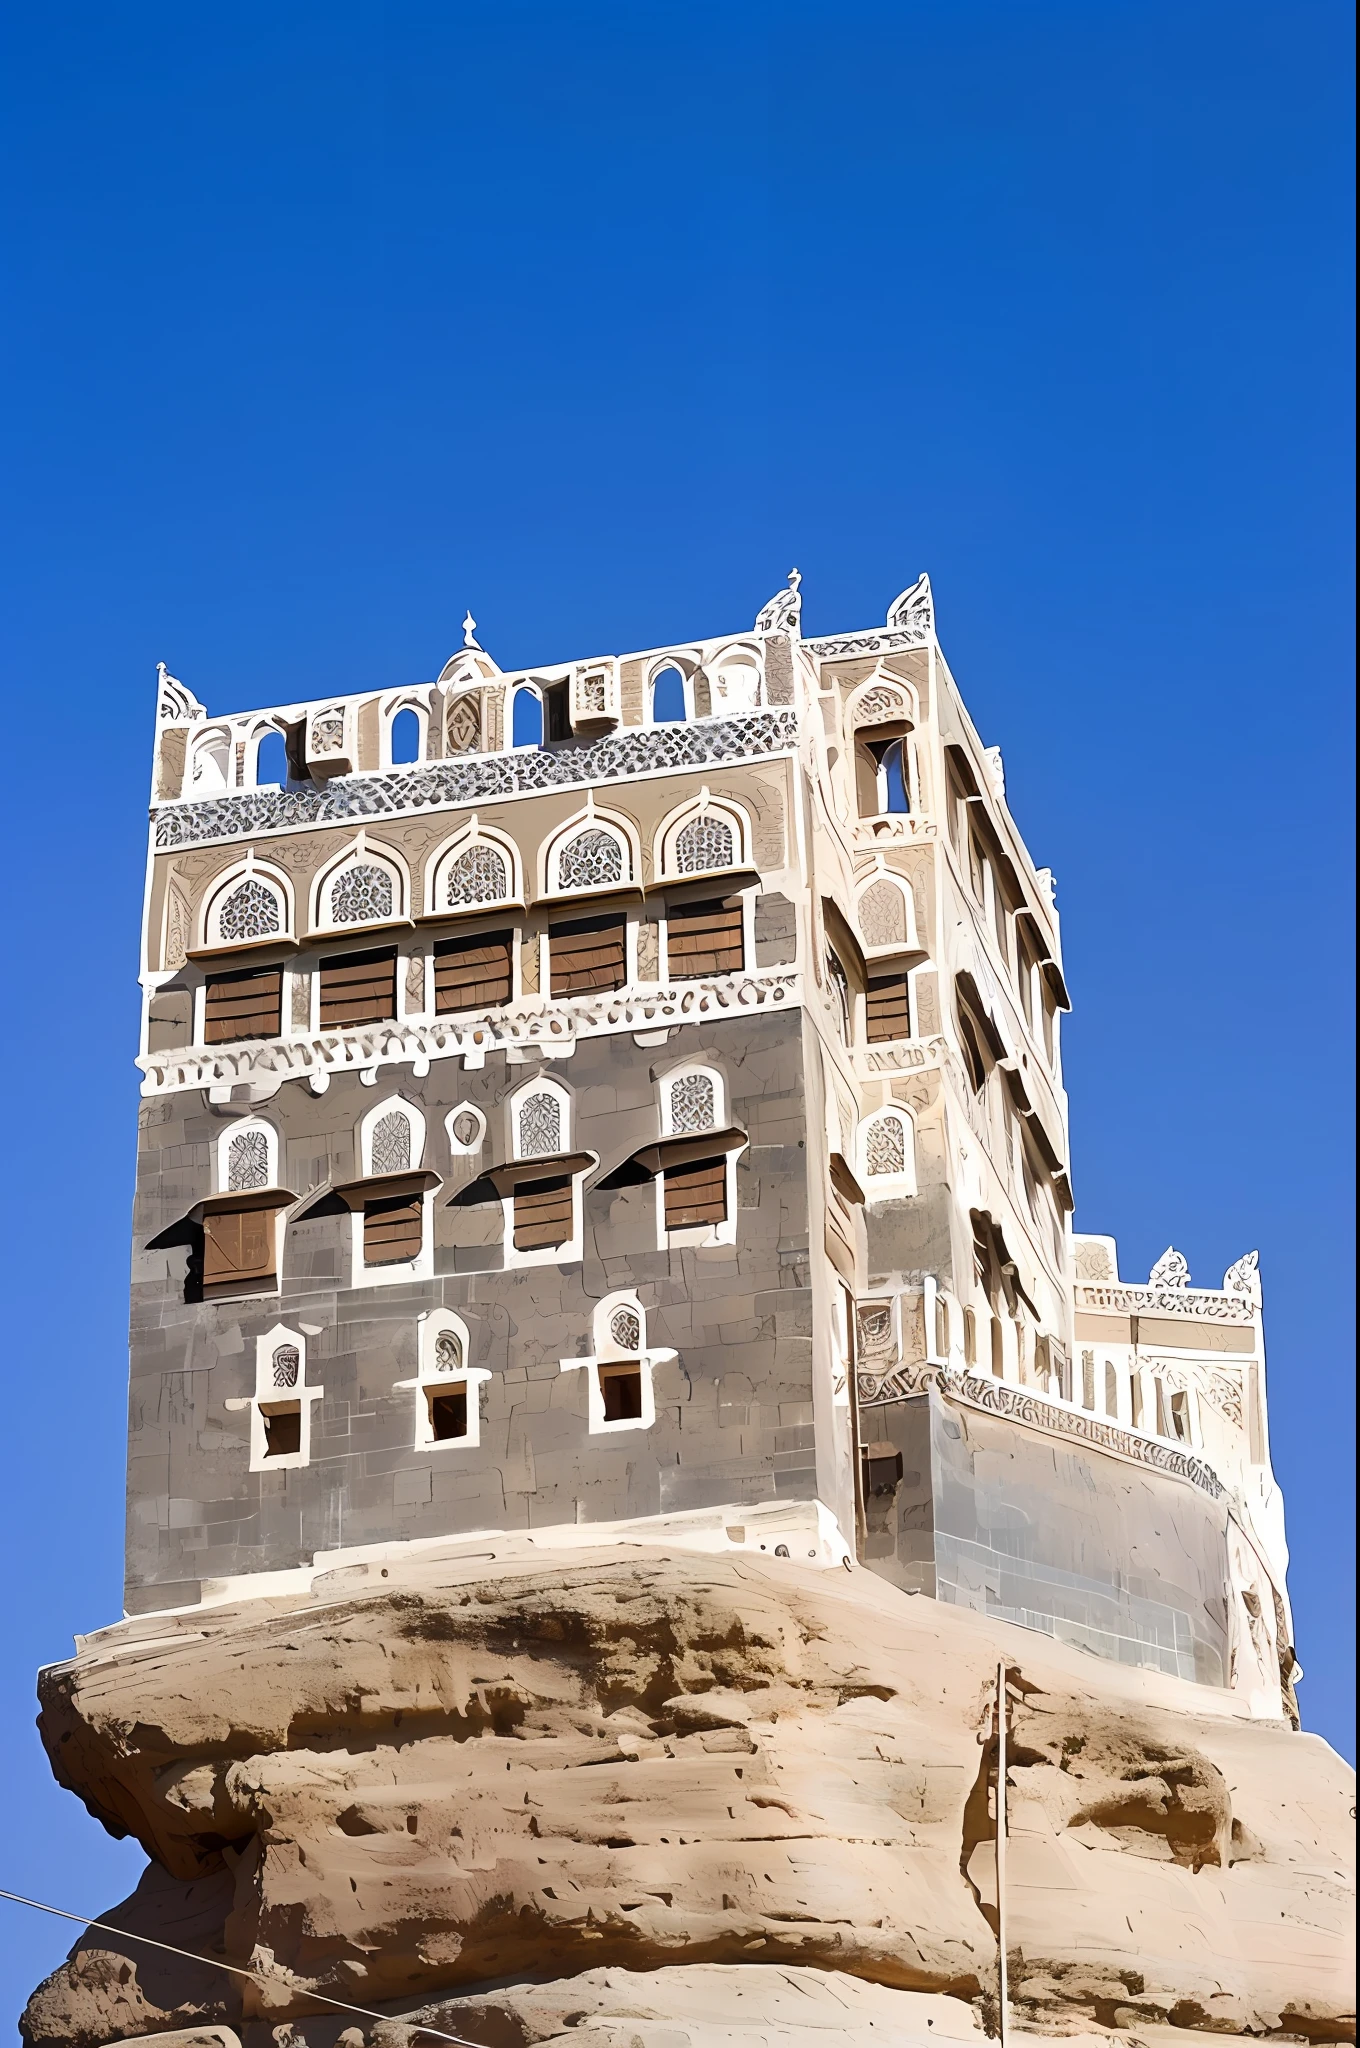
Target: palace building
{"type": "Point", "coordinates": [622, 1100]}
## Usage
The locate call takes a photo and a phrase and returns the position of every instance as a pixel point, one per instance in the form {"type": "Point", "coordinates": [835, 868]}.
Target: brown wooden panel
{"type": "Point", "coordinates": [587, 953]}
{"type": "Point", "coordinates": [359, 988]}
{"type": "Point", "coordinates": [244, 1005]}
{"type": "Point", "coordinates": [704, 938]}
{"type": "Point", "coordinates": [392, 1229]}
{"type": "Point", "coordinates": [238, 1249]}
{"type": "Point", "coordinates": [543, 1213]}
{"type": "Point", "coordinates": [888, 1008]}
{"type": "Point", "coordinates": [696, 1193]}
{"type": "Point", "coordinates": [471, 973]}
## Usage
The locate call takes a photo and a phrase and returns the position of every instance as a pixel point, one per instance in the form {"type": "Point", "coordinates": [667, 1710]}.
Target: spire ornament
{"type": "Point", "coordinates": [1171, 1270]}
{"type": "Point", "coordinates": [914, 606]}
{"type": "Point", "coordinates": [175, 705]}
{"type": "Point", "coordinates": [783, 613]}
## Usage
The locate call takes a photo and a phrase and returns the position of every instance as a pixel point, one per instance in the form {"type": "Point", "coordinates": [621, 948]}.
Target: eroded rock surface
{"type": "Point", "coordinates": [464, 1772]}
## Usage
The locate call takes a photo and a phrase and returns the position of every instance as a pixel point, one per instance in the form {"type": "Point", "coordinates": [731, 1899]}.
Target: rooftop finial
{"type": "Point", "coordinates": [914, 607]}
{"type": "Point", "coordinates": [470, 631]}
{"type": "Point", "coordinates": [784, 610]}
{"type": "Point", "coordinates": [174, 704]}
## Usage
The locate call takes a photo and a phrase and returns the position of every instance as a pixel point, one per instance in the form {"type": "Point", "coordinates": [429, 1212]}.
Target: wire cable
{"type": "Point", "coordinates": [238, 1970]}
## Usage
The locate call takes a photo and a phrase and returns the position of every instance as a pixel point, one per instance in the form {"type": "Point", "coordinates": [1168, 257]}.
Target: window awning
{"type": "Point", "coordinates": [498, 1182]}
{"type": "Point", "coordinates": [681, 1150]}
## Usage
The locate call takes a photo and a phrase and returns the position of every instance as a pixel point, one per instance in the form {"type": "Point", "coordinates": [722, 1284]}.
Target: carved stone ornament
{"type": "Point", "coordinates": [914, 606]}
{"type": "Point", "coordinates": [1171, 1270]}
{"type": "Point", "coordinates": [784, 612]}
{"type": "Point", "coordinates": [1244, 1278]}
{"type": "Point", "coordinates": [475, 778]}
{"type": "Point", "coordinates": [175, 705]}
{"type": "Point", "coordinates": [996, 771]}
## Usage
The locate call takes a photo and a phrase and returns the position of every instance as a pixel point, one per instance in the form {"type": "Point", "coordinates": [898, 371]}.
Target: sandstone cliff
{"type": "Point", "coordinates": [633, 1775]}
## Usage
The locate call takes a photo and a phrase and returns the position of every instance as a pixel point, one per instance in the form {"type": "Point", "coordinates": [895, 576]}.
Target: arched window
{"type": "Point", "coordinates": [592, 859]}
{"type": "Point", "coordinates": [391, 1143]}
{"type": "Point", "coordinates": [620, 1387]}
{"type": "Point", "coordinates": [888, 1149]}
{"type": "Point", "coordinates": [892, 771]}
{"type": "Point", "coordinates": [404, 738]}
{"type": "Point", "coordinates": [210, 768]}
{"type": "Point", "coordinates": [391, 1138]}
{"type": "Point", "coordinates": [691, 1102]}
{"type": "Point", "coordinates": [247, 1158]}
{"type": "Point", "coordinates": [705, 842]}
{"type": "Point", "coordinates": [885, 915]}
{"type": "Point", "coordinates": [271, 761]}
{"type": "Point", "coordinates": [538, 1126]}
{"type": "Point", "coordinates": [480, 874]}
{"type": "Point", "coordinates": [447, 1386]}
{"type": "Point", "coordinates": [362, 894]}
{"type": "Point", "coordinates": [526, 718]}
{"type": "Point", "coordinates": [249, 910]}
{"type": "Point", "coordinates": [669, 706]}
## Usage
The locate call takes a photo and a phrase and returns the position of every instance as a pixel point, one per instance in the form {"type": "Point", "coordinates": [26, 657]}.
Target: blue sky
{"type": "Point", "coordinates": [328, 321]}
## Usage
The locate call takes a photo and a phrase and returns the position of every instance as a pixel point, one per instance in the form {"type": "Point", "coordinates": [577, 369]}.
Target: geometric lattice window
{"type": "Point", "coordinates": [625, 1329]}
{"type": "Point", "coordinates": [247, 1162]}
{"type": "Point", "coordinates": [705, 842]}
{"type": "Point", "coordinates": [885, 1147]}
{"type": "Point", "coordinates": [694, 1105]}
{"type": "Point", "coordinates": [250, 912]}
{"type": "Point", "coordinates": [361, 894]}
{"type": "Point", "coordinates": [883, 915]}
{"type": "Point", "coordinates": [448, 1352]}
{"type": "Point", "coordinates": [391, 1143]}
{"type": "Point", "coordinates": [477, 876]}
{"type": "Point", "coordinates": [284, 1366]}
{"type": "Point", "coordinates": [589, 860]}
{"type": "Point", "coordinates": [540, 1126]}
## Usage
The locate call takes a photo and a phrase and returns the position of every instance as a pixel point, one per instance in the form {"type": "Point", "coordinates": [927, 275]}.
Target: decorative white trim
{"type": "Point", "coordinates": [541, 1084]}
{"type": "Point", "coordinates": [247, 1125]}
{"type": "Point", "coordinates": [911, 942]}
{"type": "Point", "coordinates": [390, 708]}
{"type": "Point", "coordinates": [361, 852]}
{"type": "Point", "coordinates": [686, 665]}
{"type": "Point", "coordinates": [457, 1147]}
{"type": "Point", "coordinates": [607, 1352]}
{"type": "Point", "coordinates": [224, 887]}
{"type": "Point", "coordinates": [890, 1186]}
{"type": "Point", "coordinates": [430, 1380]}
{"type": "Point", "coordinates": [533, 1023]}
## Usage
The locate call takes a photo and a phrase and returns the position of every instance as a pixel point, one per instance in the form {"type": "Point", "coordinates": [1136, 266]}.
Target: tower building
{"type": "Point", "coordinates": [623, 1099]}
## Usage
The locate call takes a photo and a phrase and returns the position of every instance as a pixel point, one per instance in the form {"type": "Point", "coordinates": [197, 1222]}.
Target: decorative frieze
{"type": "Point", "coordinates": [1019, 1404]}
{"type": "Point", "coordinates": [476, 778]}
{"type": "Point", "coordinates": [1202, 1303]}
{"type": "Point", "coordinates": [533, 1026]}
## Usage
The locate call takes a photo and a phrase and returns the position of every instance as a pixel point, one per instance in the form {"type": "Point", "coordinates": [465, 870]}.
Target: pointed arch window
{"type": "Point", "coordinates": [619, 1390]}
{"type": "Point", "coordinates": [391, 1143]}
{"type": "Point", "coordinates": [362, 893]}
{"type": "Point", "coordinates": [692, 1102]}
{"type": "Point", "coordinates": [247, 1162]}
{"type": "Point", "coordinates": [526, 718]}
{"type": "Point", "coordinates": [245, 909]}
{"type": "Point", "coordinates": [670, 705]}
{"type": "Point", "coordinates": [885, 916]}
{"type": "Point", "coordinates": [480, 874]}
{"type": "Point", "coordinates": [405, 737]}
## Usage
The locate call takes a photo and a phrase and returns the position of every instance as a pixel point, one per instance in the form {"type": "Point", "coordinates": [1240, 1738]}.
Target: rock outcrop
{"type": "Point", "coordinates": [419, 1781]}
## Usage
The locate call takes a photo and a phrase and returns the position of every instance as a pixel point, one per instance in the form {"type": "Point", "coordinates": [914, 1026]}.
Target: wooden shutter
{"type": "Point", "coordinates": [696, 1193]}
{"type": "Point", "coordinates": [238, 1250]}
{"type": "Point", "coordinates": [359, 988]}
{"type": "Point", "coordinates": [472, 972]}
{"type": "Point", "coordinates": [704, 938]}
{"type": "Point", "coordinates": [543, 1213]}
{"type": "Point", "coordinates": [888, 1008]}
{"type": "Point", "coordinates": [393, 1229]}
{"type": "Point", "coordinates": [587, 953]}
{"type": "Point", "coordinates": [247, 1004]}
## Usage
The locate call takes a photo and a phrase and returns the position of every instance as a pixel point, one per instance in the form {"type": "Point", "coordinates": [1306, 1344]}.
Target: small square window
{"type": "Point", "coordinates": [621, 1391]}
{"type": "Point", "coordinates": [448, 1413]}
{"type": "Point", "coordinates": [282, 1429]}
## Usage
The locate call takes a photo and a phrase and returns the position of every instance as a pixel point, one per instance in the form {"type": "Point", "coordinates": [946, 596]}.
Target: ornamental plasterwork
{"type": "Point", "coordinates": [590, 860]}
{"type": "Point", "coordinates": [879, 705]}
{"type": "Point", "coordinates": [475, 779]}
{"type": "Point", "coordinates": [391, 1143]}
{"type": "Point", "coordinates": [885, 1147]}
{"type": "Point", "coordinates": [540, 1126]}
{"type": "Point", "coordinates": [625, 1329]}
{"type": "Point", "coordinates": [532, 1024]}
{"type": "Point", "coordinates": [1207, 1303]}
{"type": "Point", "coordinates": [247, 1162]}
{"type": "Point", "coordinates": [361, 894]}
{"type": "Point", "coordinates": [448, 1353]}
{"type": "Point", "coordinates": [478, 876]}
{"type": "Point", "coordinates": [694, 1104]}
{"type": "Point", "coordinates": [1171, 1270]}
{"type": "Point", "coordinates": [1018, 1404]}
{"type": "Point", "coordinates": [883, 915]}
{"type": "Point", "coordinates": [176, 704]}
{"type": "Point", "coordinates": [251, 911]}
{"type": "Point", "coordinates": [1244, 1278]}
{"type": "Point", "coordinates": [285, 1365]}
{"type": "Point", "coordinates": [1093, 1264]}
{"type": "Point", "coordinates": [914, 607]}
{"type": "Point", "coordinates": [783, 613]}
{"type": "Point", "coordinates": [705, 842]}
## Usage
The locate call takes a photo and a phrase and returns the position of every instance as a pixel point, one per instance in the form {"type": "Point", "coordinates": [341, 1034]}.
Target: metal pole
{"type": "Point", "coordinates": [1002, 1985]}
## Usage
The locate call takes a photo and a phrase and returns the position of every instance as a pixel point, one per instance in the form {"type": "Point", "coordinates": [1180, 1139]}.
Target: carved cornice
{"type": "Point", "coordinates": [1021, 1404]}
{"type": "Point", "coordinates": [1202, 1303]}
{"type": "Point", "coordinates": [475, 778]}
{"type": "Point", "coordinates": [551, 1028]}
{"type": "Point", "coordinates": [878, 640]}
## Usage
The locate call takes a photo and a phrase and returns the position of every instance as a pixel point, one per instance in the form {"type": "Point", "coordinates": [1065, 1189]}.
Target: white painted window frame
{"type": "Point", "coordinates": [887, 1186]}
